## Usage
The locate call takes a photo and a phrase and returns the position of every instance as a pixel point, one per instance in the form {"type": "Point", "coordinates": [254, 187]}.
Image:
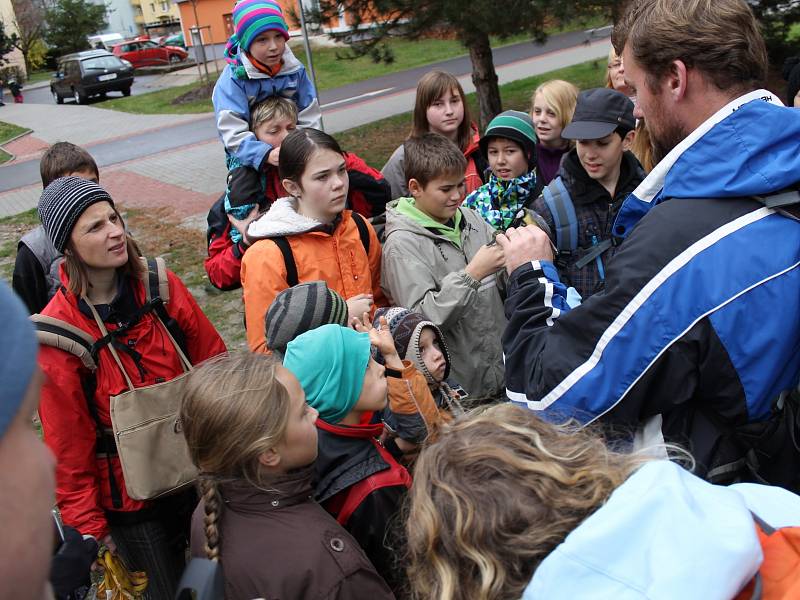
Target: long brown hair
{"type": "Point", "coordinates": [642, 146]}
{"type": "Point", "coordinates": [78, 275]}
{"type": "Point", "coordinates": [234, 410]}
{"type": "Point", "coordinates": [430, 88]}
{"type": "Point", "coordinates": [495, 494]}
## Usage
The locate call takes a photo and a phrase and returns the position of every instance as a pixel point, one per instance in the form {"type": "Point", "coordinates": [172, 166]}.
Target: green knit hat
{"type": "Point", "coordinates": [330, 363]}
{"type": "Point", "coordinates": [513, 125]}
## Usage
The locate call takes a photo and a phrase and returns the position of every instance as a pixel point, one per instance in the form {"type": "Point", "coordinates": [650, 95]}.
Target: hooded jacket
{"type": "Point", "coordinates": [367, 194]}
{"type": "Point", "coordinates": [423, 270]}
{"type": "Point", "coordinates": [241, 86]}
{"type": "Point", "coordinates": [665, 534]}
{"type": "Point", "coordinates": [395, 168]}
{"type": "Point", "coordinates": [595, 211]}
{"type": "Point", "coordinates": [276, 542]}
{"type": "Point", "coordinates": [698, 321]}
{"type": "Point", "coordinates": [83, 492]}
{"type": "Point", "coordinates": [331, 253]}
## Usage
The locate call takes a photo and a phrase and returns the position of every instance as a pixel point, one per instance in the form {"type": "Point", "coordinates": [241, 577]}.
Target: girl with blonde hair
{"type": "Point", "coordinates": [253, 437]}
{"type": "Point", "coordinates": [506, 505]}
{"type": "Point", "coordinates": [440, 107]}
{"type": "Point", "coordinates": [552, 107]}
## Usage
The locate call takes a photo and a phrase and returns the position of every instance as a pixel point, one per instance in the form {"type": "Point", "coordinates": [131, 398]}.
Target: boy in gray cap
{"type": "Point", "coordinates": [579, 206]}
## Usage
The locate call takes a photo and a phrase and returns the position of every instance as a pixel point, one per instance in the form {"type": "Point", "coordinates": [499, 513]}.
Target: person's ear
{"type": "Point", "coordinates": [677, 80]}
{"type": "Point", "coordinates": [270, 458]}
{"type": "Point", "coordinates": [292, 187]}
{"type": "Point", "coordinates": [627, 141]}
{"type": "Point", "coordinates": [415, 188]}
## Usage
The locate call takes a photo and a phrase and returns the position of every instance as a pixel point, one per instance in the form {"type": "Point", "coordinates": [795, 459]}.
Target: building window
{"type": "Point", "coordinates": [228, 19]}
{"type": "Point", "coordinates": [164, 6]}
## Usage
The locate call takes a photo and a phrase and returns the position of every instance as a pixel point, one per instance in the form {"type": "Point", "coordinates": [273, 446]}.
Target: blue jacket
{"type": "Point", "coordinates": [665, 534]}
{"type": "Point", "coordinates": [699, 321]}
{"type": "Point", "coordinates": [241, 86]}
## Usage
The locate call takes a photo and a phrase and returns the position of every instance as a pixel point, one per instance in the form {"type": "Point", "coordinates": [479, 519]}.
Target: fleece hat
{"type": "Point", "coordinates": [18, 349]}
{"type": "Point", "coordinates": [63, 202]}
{"type": "Point", "coordinates": [513, 125]}
{"type": "Point", "coordinates": [330, 363]}
{"type": "Point", "coordinates": [598, 113]}
{"type": "Point", "coordinates": [251, 18]}
{"type": "Point", "coordinates": [406, 328]}
{"type": "Point", "coordinates": [302, 308]}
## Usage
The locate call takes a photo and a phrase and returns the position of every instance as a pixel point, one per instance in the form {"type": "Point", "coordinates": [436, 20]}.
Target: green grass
{"type": "Point", "coordinates": [7, 132]}
{"type": "Point", "coordinates": [27, 218]}
{"type": "Point", "coordinates": [160, 102]}
{"type": "Point", "coordinates": [376, 141]}
{"type": "Point", "coordinates": [794, 32]}
{"type": "Point", "coordinates": [37, 76]}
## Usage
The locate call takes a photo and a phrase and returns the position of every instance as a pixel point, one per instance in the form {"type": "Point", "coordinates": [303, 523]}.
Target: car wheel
{"type": "Point", "coordinates": [56, 97]}
{"type": "Point", "coordinates": [174, 59]}
{"type": "Point", "coordinates": [126, 91]}
{"type": "Point", "coordinates": [78, 97]}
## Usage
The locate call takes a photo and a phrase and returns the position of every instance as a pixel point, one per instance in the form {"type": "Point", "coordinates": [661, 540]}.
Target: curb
{"type": "Point", "coordinates": [8, 141]}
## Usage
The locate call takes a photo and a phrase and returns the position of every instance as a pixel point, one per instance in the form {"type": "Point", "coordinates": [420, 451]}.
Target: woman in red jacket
{"type": "Point", "coordinates": [102, 273]}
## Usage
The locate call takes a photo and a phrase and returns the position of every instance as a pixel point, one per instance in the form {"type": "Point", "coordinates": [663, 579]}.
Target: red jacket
{"type": "Point", "coordinates": [82, 483]}
{"type": "Point", "coordinates": [476, 163]}
{"type": "Point", "coordinates": [367, 195]}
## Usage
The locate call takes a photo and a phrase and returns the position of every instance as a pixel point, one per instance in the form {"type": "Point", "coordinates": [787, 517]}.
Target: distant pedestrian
{"type": "Point", "coordinates": [16, 90]}
{"type": "Point", "coordinates": [2, 92]}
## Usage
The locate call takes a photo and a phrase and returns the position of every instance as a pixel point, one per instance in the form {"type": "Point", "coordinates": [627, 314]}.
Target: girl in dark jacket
{"type": "Point", "coordinates": [102, 283]}
{"type": "Point", "coordinates": [253, 437]}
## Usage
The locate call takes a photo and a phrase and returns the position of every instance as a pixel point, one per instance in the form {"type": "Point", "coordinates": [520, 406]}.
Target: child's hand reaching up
{"type": "Point", "coordinates": [381, 338]}
{"type": "Point", "coordinates": [487, 260]}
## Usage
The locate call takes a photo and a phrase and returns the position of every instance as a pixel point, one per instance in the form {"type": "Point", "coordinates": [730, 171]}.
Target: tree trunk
{"type": "Point", "coordinates": [484, 77]}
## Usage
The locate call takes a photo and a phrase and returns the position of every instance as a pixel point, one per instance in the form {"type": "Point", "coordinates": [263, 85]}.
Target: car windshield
{"type": "Point", "coordinates": [101, 62]}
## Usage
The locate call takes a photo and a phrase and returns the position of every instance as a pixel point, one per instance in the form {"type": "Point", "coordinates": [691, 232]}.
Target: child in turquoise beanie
{"type": "Point", "coordinates": [335, 369]}
{"type": "Point", "coordinates": [358, 481]}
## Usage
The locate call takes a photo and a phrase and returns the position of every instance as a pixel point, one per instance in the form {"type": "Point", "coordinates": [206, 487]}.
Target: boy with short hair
{"type": "Point", "coordinates": [35, 277]}
{"type": "Point", "coordinates": [439, 260]}
{"type": "Point", "coordinates": [261, 65]}
{"type": "Point", "coordinates": [251, 192]}
{"type": "Point", "coordinates": [594, 179]}
{"type": "Point", "coordinates": [510, 145]}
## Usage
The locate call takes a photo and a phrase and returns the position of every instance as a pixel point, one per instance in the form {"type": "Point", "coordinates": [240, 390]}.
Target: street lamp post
{"type": "Point", "coordinates": [307, 46]}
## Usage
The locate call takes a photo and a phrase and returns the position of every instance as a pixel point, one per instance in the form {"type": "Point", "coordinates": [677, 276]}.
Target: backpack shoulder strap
{"type": "Point", "coordinates": [786, 202]}
{"type": "Point", "coordinates": [559, 202]}
{"type": "Point", "coordinates": [157, 280]}
{"type": "Point", "coordinates": [363, 230]}
{"type": "Point", "coordinates": [288, 258]}
{"type": "Point", "coordinates": [60, 334]}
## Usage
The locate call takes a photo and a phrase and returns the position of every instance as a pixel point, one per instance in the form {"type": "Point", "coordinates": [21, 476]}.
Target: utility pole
{"type": "Point", "coordinates": [307, 46]}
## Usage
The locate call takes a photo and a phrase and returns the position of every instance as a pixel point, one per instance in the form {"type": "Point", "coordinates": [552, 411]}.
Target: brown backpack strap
{"type": "Point", "coordinates": [60, 334]}
{"type": "Point", "coordinates": [155, 279]}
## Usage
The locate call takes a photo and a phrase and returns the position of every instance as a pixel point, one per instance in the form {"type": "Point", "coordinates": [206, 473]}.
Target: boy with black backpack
{"type": "Point", "coordinates": [579, 206]}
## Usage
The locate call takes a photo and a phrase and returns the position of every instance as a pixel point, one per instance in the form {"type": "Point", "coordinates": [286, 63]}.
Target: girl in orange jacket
{"type": "Point", "coordinates": [310, 236]}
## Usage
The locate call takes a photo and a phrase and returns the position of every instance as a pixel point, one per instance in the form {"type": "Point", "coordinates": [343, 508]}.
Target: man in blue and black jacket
{"type": "Point", "coordinates": [697, 332]}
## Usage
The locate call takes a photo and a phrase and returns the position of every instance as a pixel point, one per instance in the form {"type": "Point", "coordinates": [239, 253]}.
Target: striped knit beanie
{"type": "Point", "coordinates": [406, 328]}
{"type": "Point", "coordinates": [302, 308]}
{"type": "Point", "coordinates": [513, 125]}
{"type": "Point", "coordinates": [63, 202]}
{"type": "Point", "coordinates": [252, 18]}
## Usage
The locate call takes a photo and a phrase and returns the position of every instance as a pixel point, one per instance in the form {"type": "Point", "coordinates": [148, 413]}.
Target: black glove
{"type": "Point", "coordinates": [71, 563]}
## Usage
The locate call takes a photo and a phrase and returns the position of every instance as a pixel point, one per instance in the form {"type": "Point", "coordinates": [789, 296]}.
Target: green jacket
{"type": "Point", "coordinates": [423, 270]}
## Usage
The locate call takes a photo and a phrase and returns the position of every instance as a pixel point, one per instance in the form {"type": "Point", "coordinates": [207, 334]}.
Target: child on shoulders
{"type": "Point", "coordinates": [252, 435]}
{"type": "Point", "coordinates": [439, 260]}
{"type": "Point", "coordinates": [260, 65]}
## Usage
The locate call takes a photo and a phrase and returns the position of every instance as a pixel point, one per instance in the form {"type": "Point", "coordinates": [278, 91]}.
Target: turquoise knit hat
{"type": "Point", "coordinates": [513, 125]}
{"type": "Point", "coordinates": [330, 363]}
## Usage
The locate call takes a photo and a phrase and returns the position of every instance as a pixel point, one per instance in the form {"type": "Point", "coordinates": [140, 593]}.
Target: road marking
{"type": "Point", "coordinates": [367, 95]}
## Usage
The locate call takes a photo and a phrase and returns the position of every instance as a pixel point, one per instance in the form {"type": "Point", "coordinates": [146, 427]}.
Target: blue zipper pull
{"type": "Point", "coordinates": [600, 269]}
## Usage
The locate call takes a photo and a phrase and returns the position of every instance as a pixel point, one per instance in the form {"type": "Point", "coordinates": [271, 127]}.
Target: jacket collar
{"type": "Point", "coordinates": [587, 190]}
{"type": "Point", "coordinates": [283, 219]}
{"type": "Point", "coordinates": [289, 489]}
{"type": "Point", "coordinates": [289, 64]}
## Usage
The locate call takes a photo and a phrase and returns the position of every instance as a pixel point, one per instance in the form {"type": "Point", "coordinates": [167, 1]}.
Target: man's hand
{"type": "Point", "coordinates": [241, 225]}
{"type": "Point", "coordinates": [487, 260]}
{"type": "Point", "coordinates": [524, 245]}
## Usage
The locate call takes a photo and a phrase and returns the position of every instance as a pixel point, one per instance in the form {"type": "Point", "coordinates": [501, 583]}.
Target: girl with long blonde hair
{"type": "Point", "coordinates": [253, 438]}
{"type": "Point", "coordinates": [505, 505]}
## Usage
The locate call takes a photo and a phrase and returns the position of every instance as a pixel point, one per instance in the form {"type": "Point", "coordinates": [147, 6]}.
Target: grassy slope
{"type": "Point", "coordinates": [8, 131]}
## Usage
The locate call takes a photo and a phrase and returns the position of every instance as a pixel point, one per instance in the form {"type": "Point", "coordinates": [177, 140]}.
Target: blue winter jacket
{"type": "Point", "coordinates": [241, 86]}
{"type": "Point", "coordinates": [699, 322]}
{"type": "Point", "coordinates": [665, 534]}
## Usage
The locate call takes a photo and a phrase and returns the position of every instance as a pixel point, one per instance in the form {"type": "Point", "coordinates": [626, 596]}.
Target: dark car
{"type": "Point", "coordinates": [90, 73]}
{"type": "Point", "coordinates": [143, 53]}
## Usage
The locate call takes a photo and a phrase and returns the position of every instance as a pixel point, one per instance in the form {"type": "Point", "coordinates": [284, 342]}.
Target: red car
{"type": "Point", "coordinates": [146, 53]}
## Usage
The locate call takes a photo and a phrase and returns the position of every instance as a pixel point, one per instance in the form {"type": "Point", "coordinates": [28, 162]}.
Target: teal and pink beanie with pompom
{"type": "Point", "coordinates": [250, 19]}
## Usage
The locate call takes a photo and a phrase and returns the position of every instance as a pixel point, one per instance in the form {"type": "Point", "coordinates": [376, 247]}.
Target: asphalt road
{"type": "Point", "coordinates": [141, 85]}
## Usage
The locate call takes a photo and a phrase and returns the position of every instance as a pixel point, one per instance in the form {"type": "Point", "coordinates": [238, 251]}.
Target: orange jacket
{"type": "Point", "coordinates": [338, 258]}
{"type": "Point", "coordinates": [412, 403]}
{"type": "Point", "coordinates": [473, 177]}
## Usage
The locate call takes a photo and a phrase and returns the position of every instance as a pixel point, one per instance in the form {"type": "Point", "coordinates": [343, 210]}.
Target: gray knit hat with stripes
{"type": "Point", "coordinates": [302, 308]}
{"type": "Point", "coordinates": [63, 202]}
